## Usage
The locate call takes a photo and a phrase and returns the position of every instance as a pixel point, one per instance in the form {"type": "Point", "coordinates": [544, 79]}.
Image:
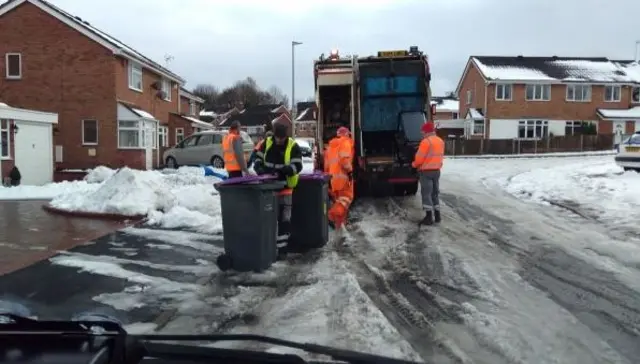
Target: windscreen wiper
{"type": "Point", "coordinates": [137, 346]}
{"type": "Point", "coordinates": [343, 355]}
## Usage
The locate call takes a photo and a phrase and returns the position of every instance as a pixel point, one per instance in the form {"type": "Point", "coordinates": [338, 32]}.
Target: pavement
{"type": "Point", "coordinates": [138, 275]}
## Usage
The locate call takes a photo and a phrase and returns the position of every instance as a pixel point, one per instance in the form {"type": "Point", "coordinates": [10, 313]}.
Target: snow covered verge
{"type": "Point", "coordinates": [597, 188]}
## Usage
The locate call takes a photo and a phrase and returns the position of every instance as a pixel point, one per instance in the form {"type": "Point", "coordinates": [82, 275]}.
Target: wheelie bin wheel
{"type": "Point", "coordinates": [223, 262]}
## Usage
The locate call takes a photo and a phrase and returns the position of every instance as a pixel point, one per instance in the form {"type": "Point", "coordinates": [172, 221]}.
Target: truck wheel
{"type": "Point", "coordinates": [223, 262]}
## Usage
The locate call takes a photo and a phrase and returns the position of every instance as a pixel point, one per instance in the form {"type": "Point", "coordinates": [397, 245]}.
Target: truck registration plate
{"type": "Point", "coordinates": [632, 149]}
{"type": "Point", "coordinates": [392, 53]}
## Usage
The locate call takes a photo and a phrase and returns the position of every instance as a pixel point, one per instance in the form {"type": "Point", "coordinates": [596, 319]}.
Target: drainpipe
{"type": "Point", "coordinates": [486, 99]}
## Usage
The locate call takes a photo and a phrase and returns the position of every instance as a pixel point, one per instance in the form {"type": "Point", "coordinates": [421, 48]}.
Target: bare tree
{"type": "Point", "coordinates": [208, 92]}
{"type": "Point", "coordinates": [277, 96]}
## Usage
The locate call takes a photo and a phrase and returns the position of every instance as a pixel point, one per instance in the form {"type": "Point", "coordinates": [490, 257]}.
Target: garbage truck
{"type": "Point", "coordinates": [383, 100]}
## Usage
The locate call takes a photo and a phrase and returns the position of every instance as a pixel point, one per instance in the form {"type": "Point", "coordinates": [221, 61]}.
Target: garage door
{"type": "Point", "coordinates": [34, 152]}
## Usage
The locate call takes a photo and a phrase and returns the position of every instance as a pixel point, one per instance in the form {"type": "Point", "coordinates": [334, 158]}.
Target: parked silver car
{"type": "Point", "coordinates": [205, 148]}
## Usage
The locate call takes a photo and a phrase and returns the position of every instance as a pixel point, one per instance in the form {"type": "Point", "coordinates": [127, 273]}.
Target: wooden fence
{"type": "Point", "coordinates": [556, 144]}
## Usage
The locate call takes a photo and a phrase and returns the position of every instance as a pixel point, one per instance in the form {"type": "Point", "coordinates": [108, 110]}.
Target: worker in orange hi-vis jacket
{"type": "Point", "coordinates": [339, 164]}
{"type": "Point", "coordinates": [428, 162]}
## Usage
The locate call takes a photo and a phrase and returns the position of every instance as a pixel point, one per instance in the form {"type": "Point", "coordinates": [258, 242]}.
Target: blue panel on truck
{"type": "Point", "coordinates": [379, 86]}
{"type": "Point", "coordinates": [381, 114]}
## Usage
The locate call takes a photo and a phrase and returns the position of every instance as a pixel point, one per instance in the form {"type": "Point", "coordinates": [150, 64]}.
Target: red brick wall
{"type": "Point", "coordinates": [472, 81]}
{"type": "Point", "coordinates": [185, 109]}
{"type": "Point", "coordinates": [63, 72]}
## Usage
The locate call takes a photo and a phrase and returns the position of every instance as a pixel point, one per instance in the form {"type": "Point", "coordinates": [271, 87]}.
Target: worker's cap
{"type": "Point", "coordinates": [428, 127]}
{"type": "Point", "coordinates": [280, 131]}
{"type": "Point", "coordinates": [342, 131]}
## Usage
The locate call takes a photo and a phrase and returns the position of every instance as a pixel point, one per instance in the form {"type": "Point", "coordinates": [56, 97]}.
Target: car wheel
{"type": "Point", "coordinates": [217, 162]}
{"type": "Point", "coordinates": [171, 163]}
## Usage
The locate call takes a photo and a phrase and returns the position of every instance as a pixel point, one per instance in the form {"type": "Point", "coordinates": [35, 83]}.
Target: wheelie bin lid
{"type": "Point", "coordinates": [264, 182]}
{"type": "Point", "coordinates": [315, 175]}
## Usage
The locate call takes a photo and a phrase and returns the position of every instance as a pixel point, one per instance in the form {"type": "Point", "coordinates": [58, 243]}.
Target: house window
{"type": "Point", "coordinates": [573, 127]}
{"type": "Point", "coordinates": [612, 93]}
{"type": "Point", "coordinates": [166, 88]}
{"type": "Point", "coordinates": [128, 134]}
{"type": "Point", "coordinates": [179, 135]}
{"type": "Point", "coordinates": [469, 97]}
{"type": "Point", "coordinates": [580, 93]}
{"type": "Point", "coordinates": [533, 129]}
{"type": "Point", "coordinates": [538, 93]}
{"type": "Point", "coordinates": [135, 76]}
{"type": "Point", "coordinates": [192, 108]}
{"type": "Point", "coordinates": [454, 115]}
{"type": "Point", "coordinates": [13, 65]}
{"type": "Point", "coordinates": [90, 132]}
{"type": "Point", "coordinates": [5, 140]}
{"type": "Point", "coordinates": [478, 127]}
{"type": "Point", "coordinates": [635, 95]}
{"type": "Point", "coordinates": [503, 92]}
{"type": "Point", "coordinates": [163, 133]}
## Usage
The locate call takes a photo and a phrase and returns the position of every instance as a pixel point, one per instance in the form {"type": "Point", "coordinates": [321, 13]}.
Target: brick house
{"type": "Point", "coordinates": [446, 118]}
{"type": "Point", "coordinates": [111, 100]}
{"type": "Point", "coordinates": [306, 122]}
{"type": "Point", "coordinates": [536, 97]}
{"type": "Point", "coordinates": [256, 120]}
{"type": "Point", "coordinates": [183, 123]}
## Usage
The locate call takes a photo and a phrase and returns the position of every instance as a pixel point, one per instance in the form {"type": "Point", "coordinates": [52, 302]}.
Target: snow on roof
{"type": "Point", "coordinates": [632, 113]}
{"type": "Point", "coordinates": [208, 113]}
{"type": "Point", "coordinates": [557, 69]}
{"type": "Point", "coordinates": [308, 114]}
{"type": "Point", "coordinates": [446, 105]}
{"type": "Point", "coordinates": [86, 28]}
{"type": "Point", "coordinates": [143, 114]}
{"type": "Point", "coordinates": [475, 114]}
{"type": "Point", "coordinates": [198, 123]}
{"type": "Point", "coordinates": [190, 95]}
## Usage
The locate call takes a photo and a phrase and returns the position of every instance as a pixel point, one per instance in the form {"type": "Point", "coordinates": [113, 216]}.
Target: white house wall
{"type": "Point", "coordinates": [508, 128]}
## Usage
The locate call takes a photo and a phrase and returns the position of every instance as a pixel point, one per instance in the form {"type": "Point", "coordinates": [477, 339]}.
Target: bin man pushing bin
{"type": "Point", "coordinates": [281, 155]}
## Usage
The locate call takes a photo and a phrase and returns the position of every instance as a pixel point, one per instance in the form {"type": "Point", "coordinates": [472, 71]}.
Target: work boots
{"type": "Point", "coordinates": [437, 217]}
{"type": "Point", "coordinates": [428, 218]}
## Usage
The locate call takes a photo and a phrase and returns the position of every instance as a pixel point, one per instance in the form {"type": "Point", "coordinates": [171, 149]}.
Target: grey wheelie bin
{"type": "Point", "coordinates": [249, 225]}
{"type": "Point", "coordinates": [309, 223]}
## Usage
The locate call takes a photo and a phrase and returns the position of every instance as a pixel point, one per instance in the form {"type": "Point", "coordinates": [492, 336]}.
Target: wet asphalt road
{"type": "Point", "coordinates": [58, 290]}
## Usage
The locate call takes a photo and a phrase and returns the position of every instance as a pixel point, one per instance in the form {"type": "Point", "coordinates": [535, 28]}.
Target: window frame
{"type": "Point", "coordinates": [454, 115]}
{"type": "Point", "coordinates": [134, 69]}
{"type": "Point", "coordinates": [477, 128]}
{"type": "Point", "coordinates": [136, 129]}
{"type": "Point", "coordinates": [6, 66]}
{"type": "Point", "coordinates": [501, 96]}
{"type": "Point", "coordinates": [613, 87]}
{"type": "Point", "coordinates": [163, 136]}
{"type": "Point", "coordinates": [84, 142]}
{"type": "Point", "coordinates": [635, 90]}
{"type": "Point", "coordinates": [582, 87]}
{"type": "Point", "coordinates": [534, 123]}
{"type": "Point", "coordinates": [192, 108]}
{"type": "Point", "coordinates": [469, 97]}
{"type": "Point", "coordinates": [5, 128]}
{"type": "Point", "coordinates": [179, 132]}
{"type": "Point", "coordinates": [166, 88]}
{"type": "Point", "coordinates": [543, 87]}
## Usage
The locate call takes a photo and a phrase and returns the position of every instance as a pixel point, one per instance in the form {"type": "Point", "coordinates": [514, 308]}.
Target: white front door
{"type": "Point", "coordinates": [148, 138]}
{"type": "Point", "coordinates": [618, 131]}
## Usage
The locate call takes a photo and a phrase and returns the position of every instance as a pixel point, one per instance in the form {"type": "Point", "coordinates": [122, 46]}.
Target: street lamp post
{"type": "Point", "coordinates": [293, 84]}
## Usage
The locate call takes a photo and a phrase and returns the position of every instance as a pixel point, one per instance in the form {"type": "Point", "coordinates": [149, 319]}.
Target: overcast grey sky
{"type": "Point", "coordinates": [219, 42]}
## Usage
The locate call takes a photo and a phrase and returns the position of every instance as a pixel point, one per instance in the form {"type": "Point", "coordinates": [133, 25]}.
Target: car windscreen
{"type": "Point", "coordinates": [411, 123]}
{"type": "Point", "coordinates": [635, 139]}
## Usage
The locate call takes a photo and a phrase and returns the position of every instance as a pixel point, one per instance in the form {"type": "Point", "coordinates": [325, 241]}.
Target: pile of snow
{"type": "Point", "coordinates": [594, 187]}
{"type": "Point", "coordinates": [183, 198]}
